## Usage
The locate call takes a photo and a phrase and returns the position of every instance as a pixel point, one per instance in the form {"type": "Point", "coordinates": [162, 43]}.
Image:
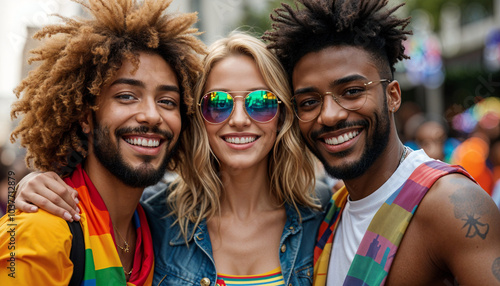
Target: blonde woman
{"type": "Point", "coordinates": [243, 210]}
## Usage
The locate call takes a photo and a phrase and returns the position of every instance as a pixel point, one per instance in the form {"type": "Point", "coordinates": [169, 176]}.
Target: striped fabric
{"type": "Point", "coordinates": [375, 254]}
{"type": "Point", "coordinates": [102, 263]}
{"type": "Point", "coordinates": [325, 235]}
{"type": "Point", "coordinates": [271, 278]}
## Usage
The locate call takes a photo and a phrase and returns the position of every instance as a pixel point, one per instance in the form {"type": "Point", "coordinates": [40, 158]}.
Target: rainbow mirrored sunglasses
{"type": "Point", "coordinates": [217, 106]}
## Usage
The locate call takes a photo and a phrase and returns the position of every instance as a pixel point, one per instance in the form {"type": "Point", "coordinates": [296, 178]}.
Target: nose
{"type": "Point", "coordinates": [148, 112]}
{"type": "Point", "coordinates": [239, 118]}
{"type": "Point", "coordinates": [331, 112]}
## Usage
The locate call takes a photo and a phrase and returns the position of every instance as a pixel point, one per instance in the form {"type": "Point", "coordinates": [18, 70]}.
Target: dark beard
{"type": "Point", "coordinates": [109, 156]}
{"type": "Point", "coordinates": [372, 152]}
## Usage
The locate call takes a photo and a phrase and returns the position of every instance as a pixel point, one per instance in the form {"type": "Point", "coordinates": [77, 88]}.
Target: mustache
{"type": "Point", "coordinates": [143, 130]}
{"type": "Point", "coordinates": [341, 125]}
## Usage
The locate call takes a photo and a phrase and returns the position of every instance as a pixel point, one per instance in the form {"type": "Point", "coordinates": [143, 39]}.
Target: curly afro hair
{"type": "Point", "coordinates": [79, 56]}
{"type": "Point", "coordinates": [318, 24]}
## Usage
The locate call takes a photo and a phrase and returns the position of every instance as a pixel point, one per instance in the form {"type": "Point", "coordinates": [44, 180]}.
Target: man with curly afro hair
{"type": "Point", "coordinates": [105, 111]}
{"type": "Point", "coordinates": [402, 218]}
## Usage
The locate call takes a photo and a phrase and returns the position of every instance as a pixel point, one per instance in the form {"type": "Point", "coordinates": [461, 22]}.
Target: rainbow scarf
{"type": "Point", "coordinates": [102, 264]}
{"type": "Point", "coordinates": [375, 254]}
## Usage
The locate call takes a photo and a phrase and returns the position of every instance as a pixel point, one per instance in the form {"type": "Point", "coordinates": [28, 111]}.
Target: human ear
{"type": "Point", "coordinates": [86, 123]}
{"type": "Point", "coordinates": [393, 96]}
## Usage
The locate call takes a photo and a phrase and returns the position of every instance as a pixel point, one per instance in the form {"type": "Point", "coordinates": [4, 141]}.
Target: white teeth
{"type": "Point", "coordinates": [342, 138]}
{"type": "Point", "coordinates": [143, 142]}
{"type": "Point", "coordinates": [240, 140]}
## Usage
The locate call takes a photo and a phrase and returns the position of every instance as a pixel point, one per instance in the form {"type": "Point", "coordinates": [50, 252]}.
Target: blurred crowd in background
{"type": "Point", "coordinates": [450, 86]}
{"type": "Point", "coordinates": [471, 139]}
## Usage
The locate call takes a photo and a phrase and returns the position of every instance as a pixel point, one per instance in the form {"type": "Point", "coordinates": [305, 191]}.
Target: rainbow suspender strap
{"type": "Point", "coordinates": [380, 243]}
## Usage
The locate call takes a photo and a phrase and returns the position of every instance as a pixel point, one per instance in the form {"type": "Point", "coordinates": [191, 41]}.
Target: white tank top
{"type": "Point", "coordinates": [358, 214]}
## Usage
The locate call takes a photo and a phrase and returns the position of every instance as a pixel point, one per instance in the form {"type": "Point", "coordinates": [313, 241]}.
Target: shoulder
{"type": "Point", "coordinates": [454, 195]}
{"type": "Point", "coordinates": [40, 244]}
{"type": "Point", "coordinates": [461, 226]}
{"type": "Point", "coordinates": [157, 212]}
{"type": "Point", "coordinates": [160, 188]}
{"type": "Point", "coordinates": [455, 190]}
{"type": "Point", "coordinates": [39, 223]}
{"type": "Point", "coordinates": [457, 213]}
{"type": "Point", "coordinates": [39, 230]}
{"type": "Point", "coordinates": [447, 184]}
{"type": "Point", "coordinates": [311, 218]}
{"type": "Point", "coordinates": [154, 199]}
{"type": "Point", "coordinates": [323, 193]}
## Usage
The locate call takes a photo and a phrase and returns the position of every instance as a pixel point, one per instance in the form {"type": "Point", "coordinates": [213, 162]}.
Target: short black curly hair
{"type": "Point", "coordinates": [318, 24]}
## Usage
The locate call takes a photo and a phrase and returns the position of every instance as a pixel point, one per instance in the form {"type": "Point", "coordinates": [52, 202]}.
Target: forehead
{"type": "Point", "coordinates": [235, 72]}
{"type": "Point", "coordinates": [333, 63]}
{"type": "Point", "coordinates": [151, 67]}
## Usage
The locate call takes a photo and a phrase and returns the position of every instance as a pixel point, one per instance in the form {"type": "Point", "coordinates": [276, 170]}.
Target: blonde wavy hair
{"type": "Point", "coordinates": [79, 56]}
{"type": "Point", "coordinates": [196, 194]}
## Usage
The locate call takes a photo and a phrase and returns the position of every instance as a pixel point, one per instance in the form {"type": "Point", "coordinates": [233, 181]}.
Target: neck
{"type": "Point", "coordinates": [120, 200]}
{"type": "Point", "coordinates": [246, 192]}
{"type": "Point", "coordinates": [378, 173]}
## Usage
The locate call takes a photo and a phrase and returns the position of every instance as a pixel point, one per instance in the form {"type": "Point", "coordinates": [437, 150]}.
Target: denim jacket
{"type": "Point", "coordinates": [179, 264]}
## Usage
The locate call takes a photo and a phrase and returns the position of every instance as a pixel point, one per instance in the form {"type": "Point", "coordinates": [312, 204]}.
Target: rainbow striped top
{"type": "Point", "coordinates": [271, 278]}
{"type": "Point", "coordinates": [102, 263]}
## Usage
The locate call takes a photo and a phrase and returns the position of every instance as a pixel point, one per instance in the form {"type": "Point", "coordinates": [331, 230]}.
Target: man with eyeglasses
{"type": "Point", "coordinates": [402, 218]}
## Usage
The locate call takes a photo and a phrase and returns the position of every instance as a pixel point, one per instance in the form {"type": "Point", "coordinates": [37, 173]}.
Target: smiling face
{"type": "Point", "coordinates": [347, 142]}
{"type": "Point", "coordinates": [239, 142]}
{"type": "Point", "coordinates": [138, 122]}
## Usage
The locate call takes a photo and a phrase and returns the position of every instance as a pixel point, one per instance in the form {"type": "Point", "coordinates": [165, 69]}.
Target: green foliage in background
{"type": "Point", "coordinates": [471, 10]}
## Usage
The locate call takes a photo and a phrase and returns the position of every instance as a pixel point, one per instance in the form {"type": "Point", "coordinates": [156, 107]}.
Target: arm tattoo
{"type": "Point", "coordinates": [469, 208]}
{"type": "Point", "coordinates": [474, 227]}
{"type": "Point", "coordinates": [495, 268]}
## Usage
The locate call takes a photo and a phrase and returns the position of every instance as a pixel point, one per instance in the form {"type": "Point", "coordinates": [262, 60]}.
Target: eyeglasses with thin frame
{"type": "Point", "coordinates": [308, 105]}
{"type": "Point", "coordinates": [217, 106]}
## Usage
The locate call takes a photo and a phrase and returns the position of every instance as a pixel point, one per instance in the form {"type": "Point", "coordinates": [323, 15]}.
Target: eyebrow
{"type": "Point", "coordinates": [337, 82]}
{"type": "Point", "coordinates": [141, 84]}
{"type": "Point", "coordinates": [347, 79]}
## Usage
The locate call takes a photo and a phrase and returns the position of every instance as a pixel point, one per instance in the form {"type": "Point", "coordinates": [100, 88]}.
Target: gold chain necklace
{"type": "Point", "coordinates": [125, 248]}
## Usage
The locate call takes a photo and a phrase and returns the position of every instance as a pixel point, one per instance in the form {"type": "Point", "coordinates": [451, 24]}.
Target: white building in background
{"type": "Point", "coordinates": [219, 17]}
{"type": "Point", "coordinates": [17, 19]}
